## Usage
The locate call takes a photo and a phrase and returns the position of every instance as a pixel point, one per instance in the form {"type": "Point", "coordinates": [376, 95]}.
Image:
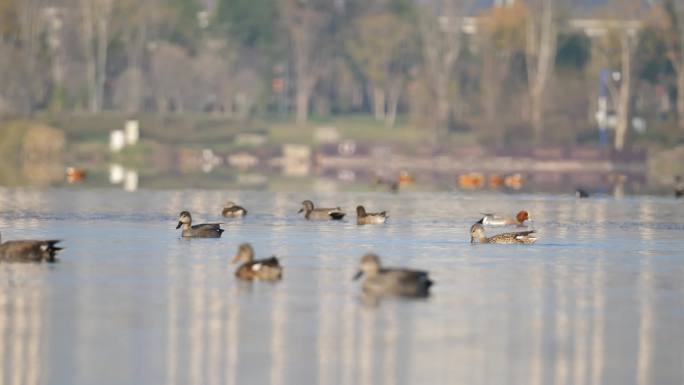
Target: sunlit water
{"type": "Point", "coordinates": [598, 300]}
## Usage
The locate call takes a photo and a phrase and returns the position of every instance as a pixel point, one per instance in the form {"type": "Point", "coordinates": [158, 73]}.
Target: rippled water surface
{"type": "Point", "coordinates": [598, 300]}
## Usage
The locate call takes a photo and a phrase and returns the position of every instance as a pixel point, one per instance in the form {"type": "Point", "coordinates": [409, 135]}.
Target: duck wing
{"type": "Point", "coordinates": [214, 226]}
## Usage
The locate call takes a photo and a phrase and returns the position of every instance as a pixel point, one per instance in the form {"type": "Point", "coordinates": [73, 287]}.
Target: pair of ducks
{"type": "Point", "coordinates": [208, 230]}
{"type": "Point", "coordinates": [477, 231]}
{"type": "Point", "coordinates": [379, 281]}
{"type": "Point", "coordinates": [323, 214]}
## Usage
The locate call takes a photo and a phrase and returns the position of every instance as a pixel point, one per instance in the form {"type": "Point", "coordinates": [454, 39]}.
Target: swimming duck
{"type": "Point", "coordinates": [29, 251]}
{"type": "Point", "coordinates": [679, 187]}
{"type": "Point", "coordinates": [261, 269]}
{"type": "Point", "coordinates": [320, 214]}
{"type": "Point", "coordinates": [581, 193]}
{"type": "Point", "coordinates": [392, 281]}
{"type": "Point", "coordinates": [364, 218]}
{"type": "Point", "coordinates": [495, 220]}
{"type": "Point", "coordinates": [231, 210]}
{"type": "Point", "coordinates": [477, 234]}
{"type": "Point", "coordinates": [204, 230]}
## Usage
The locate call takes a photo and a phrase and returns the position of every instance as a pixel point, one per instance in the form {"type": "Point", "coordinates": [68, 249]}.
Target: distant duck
{"type": "Point", "coordinates": [393, 185]}
{"type": "Point", "coordinates": [74, 174]}
{"type": "Point", "coordinates": [231, 210]}
{"type": "Point", "coordinates": [405, 177]}
{"type": "Point", "coordinates": [514, 181]}
{"type": "Point", "coordinates": [495, 220]}
{"type": "Point", "coordinates": [204, 230]}
{"type": "Point", "coordinates": [261, 269]}
{"type": "Point", "coordinates": [473, 180]}
{"type": "Point", "coordinates": [477, 234]}
{"type": "Point", "coordinates": [392, 281]}
{"type": "Point", "coordinates": [581, 193]}
{"type": "Point", "coordinates": [679, 187]}
{"type": "Point", "coordinates": [312, 213]}
{"type": "Point", "coordinates": [29, 250]}
{"type": "Point", "coordinates": [364, 218]}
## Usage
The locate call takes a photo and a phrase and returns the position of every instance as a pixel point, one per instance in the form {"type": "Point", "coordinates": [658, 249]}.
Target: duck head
{"type": "Point", "coordinates": [245, 253]}
{"type": "Point", "coordinates": [523, 216]}
{"type": "Point", "coordinates": [477, 233]}
{"type": "Point", "coordinates": [360, 211]}
{"type": "Point", "coordinates": [228, 204]}
{"type": "Point", "coordinates": [184, 219]}
{"type": "Point", "coordinates": [307, 206]}
{"type": "Point", "coordinates": [370, 265]}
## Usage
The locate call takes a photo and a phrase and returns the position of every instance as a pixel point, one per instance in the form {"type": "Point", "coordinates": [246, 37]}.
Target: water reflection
{"type": "Point", "coordinates": [598, 300]}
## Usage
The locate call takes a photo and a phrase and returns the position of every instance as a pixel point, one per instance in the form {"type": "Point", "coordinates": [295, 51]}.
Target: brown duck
{"type": "Point", "coordinates": [261, 269]}
{"type": "Point", "coordinates": [312, 213]}
{"type": "Point", "coordinates": [392, 281]}
{"type": "Point", "coordinates": [29, 250]}
{"type": "Point", "coordinates": [231, 210]}
{"type": "Point", "coordinates": [364, 218]}
{"type": "Point", "coordinates": [477, 234]}
{"type": "Point", "coordinates": [204, 230]}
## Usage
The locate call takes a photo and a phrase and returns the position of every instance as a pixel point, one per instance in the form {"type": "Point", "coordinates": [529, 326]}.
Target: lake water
{"type": "Point", "coordinates": [598, 300]}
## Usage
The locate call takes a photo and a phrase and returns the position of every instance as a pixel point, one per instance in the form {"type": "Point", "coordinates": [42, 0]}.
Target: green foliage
{"type": "Point", "coordinates": [251, 22]}
{"type": "Point", "coordinates": [180, 25]}
{"type": "Point", "coordinates": [574, 51]}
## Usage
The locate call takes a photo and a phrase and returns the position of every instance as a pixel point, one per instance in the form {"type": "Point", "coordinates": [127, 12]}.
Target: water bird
{"type": "Point", "coordinates": [231, 210]}
{"type": "Point", "coordinates": [29, 250]}
{"type": "Point", "coordinates": [496, 220]}
{"type": "Point", "coordinates": [312, 213]}
{"type": "Point", "coordinates": [679, 187]}
{"type": "Point", "coordinates": [261, 269]}
{"type": "Point", "coordinates": [581, 193]}
{"type": "Point", "coordinates": [204, 230]}
{"type": "Point", "coordinates": [393, 185]}
{"type": "Point", "coordinates": [477, 234]}
{"type": "Point", "coordinates": [514, 181]}
{"type": "Point", "coordinates": [74, 174]}
{"type": "Point", "coordinates": [364, 218]}
{"type": "Point", "coordinates": [392, 281]}
{"type": "Point", "coordinates": [473, 180]}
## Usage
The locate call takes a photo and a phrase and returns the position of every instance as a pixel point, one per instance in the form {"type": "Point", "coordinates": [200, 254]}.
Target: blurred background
{"type": "Point", "coordinates": [535, 95]}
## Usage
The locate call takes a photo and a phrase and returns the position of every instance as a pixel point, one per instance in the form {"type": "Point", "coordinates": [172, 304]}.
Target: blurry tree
{"type": "Point", "coordinates": [250, 22]}
{"type": "Point", "coordinates": [541, 43]}
{"type": "Point", "coordinates": [502, 33]}
{"type": "Point", "coordinates": [307, 22]}
{"type": "Point", "coordinates": [440, 23]}
{"type": "Point", "coordinates": [377, 47]}
{"type": "Point", "coordinates": [674, 40]}
{"type": "Point", "coordinates": [95, 24]}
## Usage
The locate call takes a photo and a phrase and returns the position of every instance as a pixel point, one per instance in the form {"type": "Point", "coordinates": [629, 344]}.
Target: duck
{"type": "Point", "coordinates": [364, 218]}
{"type": "Point", "coordinates": [312, 213]}
{"type": "Point", "coordinates": [392, 185]}
{"type": "Point", "coordinates": [392, 281]}
{"type": "Point", "coordinates": [231, 210]}
{"type": "Point", "coordinates": [581, 193]}
{"type": "Point", "coordinates": [679, 187]}
{"type": "Point", "coordinates": [477, 235]}
{"type": "Point", "coordinates": [204, 230]}
{"type": "Point", "coordinates": [261, 269]}
{"type": "Point", "coordinates": [29, 250]}
{"type": "Point", "coordinates": [496, 220]}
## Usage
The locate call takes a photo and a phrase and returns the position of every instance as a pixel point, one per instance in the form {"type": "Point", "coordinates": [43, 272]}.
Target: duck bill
{"type": "Point", "coordinates": [179, 225]}
{"type": "Point", "coordinates": [358, 275]}
{"type": "Point", "coordinates": [300, 211]}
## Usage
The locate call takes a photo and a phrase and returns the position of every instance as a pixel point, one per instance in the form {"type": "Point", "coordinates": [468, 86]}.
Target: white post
{"type": "Point", "coordinates": [132, 129]}
{"type": "Point", "coordinates": [117, 141]}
